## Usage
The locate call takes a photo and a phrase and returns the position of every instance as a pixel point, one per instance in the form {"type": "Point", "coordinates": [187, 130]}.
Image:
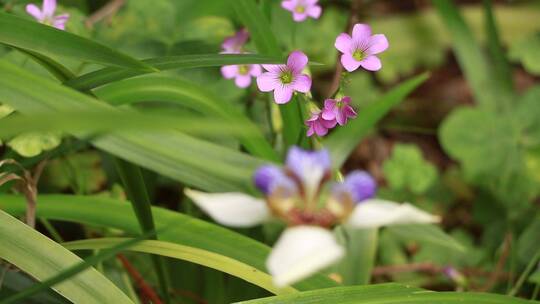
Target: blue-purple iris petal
{"type": "Point", "coordinates": [302, 162]}
{"type": "Point", "coordinates": [266, 177]}
{"type": "Point", "coordinates": [361, 185]}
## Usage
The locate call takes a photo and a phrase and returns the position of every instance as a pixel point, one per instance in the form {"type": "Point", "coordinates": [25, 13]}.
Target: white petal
{"type": "Point", "coordinates": [300, 252]}
{"type": "Point", "coordinates": [375, 213]}
{"type": "Point", "coordinates": [231, 209]}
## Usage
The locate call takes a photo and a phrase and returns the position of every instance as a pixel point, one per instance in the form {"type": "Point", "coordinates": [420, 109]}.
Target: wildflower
{"type": "Point", "coordinates": [338, 110]}
{"type": "Point", "coordinates": [46, 14]}
{"type": "Point", "coordinates": [241, 73]}
{"type": "Point", "coordinates": [297, 194]}
{"type": "Point", "coordinates": [235, 43]}
{"type": "Point", "coordinates": [318, 124]}
{"type": "Point", "coordinates": [284, 79]}
{"type": "Point", "coordinates": [361, 48]}
{"type": "Point", "coordinates": [302, 9]}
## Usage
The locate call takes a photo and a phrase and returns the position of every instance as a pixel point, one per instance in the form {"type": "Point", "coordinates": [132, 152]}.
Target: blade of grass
{"type": "Point", "coordinates": [137, 193]}
{"type": "Point", "coordinates": [56, 69]}
{"type": "Point", "coordinates": [343, 140]}
{"type": "Point", "coordinates": [49, 41]}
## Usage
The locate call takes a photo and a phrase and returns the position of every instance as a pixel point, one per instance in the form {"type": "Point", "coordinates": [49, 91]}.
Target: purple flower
{"type": "Point", "coordinates": [284, 79]}
{"type": "Point", "coordinates": [235, 43]}
{"type": "Point", "coordinates": [46, 14]}
{"type": "Point", "coordinates": [241, 73]}
{"type": "Point", "coordinates": [318, 124]}
{"type": "Point", "coordinates": [358, 185]}
{"type": "Point", "coordinates": [361, 48]}
{"type": "Point", "coordinates": [270, 179]}
{"type": "Point", "coordinates": [302, 9]}
{"type": "Point", "coordinates": [338, 110]}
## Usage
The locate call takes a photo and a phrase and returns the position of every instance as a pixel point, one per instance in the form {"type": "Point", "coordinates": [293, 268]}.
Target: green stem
{"type": "Point", "coordinates": [535, 292]}
{"type": "Point", "coordinates": [52, 231]}
{"type": "Point", "coordinates": [525, 274]}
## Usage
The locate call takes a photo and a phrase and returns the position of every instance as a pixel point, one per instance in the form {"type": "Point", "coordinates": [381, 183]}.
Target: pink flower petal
{"type": "Point", "coordinates": [242, 81]}
{"type": "Point", "coordinates": [320, 130]}
{"type": "Point", "coordinates": [377, 44]}
{"type": "Point", "coordinates": [297, 61]}
{"type": "Point", "coordinates": [350, 112]}
{"type": "Point", "coordinates": [343, 43]}
{"type": "Point", "coordinates": [282, 94]}
{"type": "Point", "coordinates": [349, 63]}
{"type": "Point", "coordinates": [346, 100]}
{"type": "Point", "coordinates": [310, 131]}
{"type": "Point", "coordinates": [267, 82]}
{"type": "Point", "coordinates": [289, 5]}
{"type": "Point", "coordinates": [302, 83]}
{"type": "Point", "coordinates": [361, 32]}
{"type": "Point", "coordinates": [329, 124]}
{"type": "Point", "coordinates": [59, 24]}
{"type": "Point", "coordinates": [314, 12]}
{"type": "Point", "coordinates": [49, 6]}
{"type": "Point", "coordinates": [35, 12]}
{"type": "Point", "coordinates": [229, 71]}
{"type": "Point", "coordinates": [310, 2]}
{"type": "Point", "coordinates": [371, 63]}
{"type": "Point", "coordinates": [274, 68]}
{"type": "Point", "coordinates": [255, 70]}
{"type": "Point", "coordinates": [299, 17]}
{"type": "Point", "coordinates": [341, 119]}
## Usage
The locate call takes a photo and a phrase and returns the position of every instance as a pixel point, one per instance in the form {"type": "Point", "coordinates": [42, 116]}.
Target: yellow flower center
{"type": "Point", "coordinates": [243, 69]}
{"type": "Point", "coordinates": [359, 55]}
{"type": "Point", "coordinates": [286, 77]}
{"type": "Point", "coordinates": [300, 9]}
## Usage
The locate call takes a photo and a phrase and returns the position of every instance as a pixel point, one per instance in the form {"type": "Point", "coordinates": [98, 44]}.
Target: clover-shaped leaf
{"type": "Point", "coordinates": [33, 143]}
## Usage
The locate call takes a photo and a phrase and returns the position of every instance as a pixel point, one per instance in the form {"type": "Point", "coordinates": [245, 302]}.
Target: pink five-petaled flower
{"type": "Point", "coordinates": [234, 44]}
{"type": "Point", "coordinates": [338, 110]}
{"type": "Point", "coordinates": [284, 79]}
{"type": "Point", "coordinates": [361, 48]}
{"type": "Point", "coordinates": [241, 73]}
{"type": "Point", "coordinates": [302, 9]}
{"type": "Point", "coordinates": [318, 125]}
{"type": "Point", "coordinates": [46, 14]}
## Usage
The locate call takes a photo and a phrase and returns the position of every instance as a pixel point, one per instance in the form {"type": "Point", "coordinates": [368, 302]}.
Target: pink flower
{"type": "Point", "coordinates": [302, 9]}
{"type": "Point", "coordinates": [338, 110]}
{"type": "Point", "coordinates": [46, 14]}
{"type": "Point", "coordinates": [361, 48]}
{"type": "Point", "coordinates": [241, 73]}
{"type": "Point", "coordinates": [235, 43]}
{"type": "Point", "coordinates": [284, 79]}
{"type": "Point", "coordinates": [318, 125]}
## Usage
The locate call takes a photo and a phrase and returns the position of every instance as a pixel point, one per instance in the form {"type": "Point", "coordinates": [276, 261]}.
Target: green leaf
{"type": "Point", "coordinates": [110, 74]}
{"type": "Point", "coordinates": [193, 161]}
{"type": "Point", "coordinates": [426, 233]}
{"type": "Point", "coordinates": [190, 95]}
{"type": "Point", "coordinates": [186, 230]}
{"type": "Point", "coordinates": [343, 141]}
{"type": "Point", "coordinates": [56, 69]}
{"type": "Point", "coordinates": [190, 254]}
{"type": "Point", "coordinates": [48, 41]}
{"type": "Point", "coordinates": [42, 258]}
{"type": "Point", "coordinates": [527, 51]}
{"type": "Point", "coordinates": [469, 54]}
{"type": "Point", "coordinates": [33, 143]}
{"type": "Point", "coordinates": [387, 294]}
{"type": "Point", "coordinates": [361, 253]}
{"type": "Point", "coordinates": [406, 169]}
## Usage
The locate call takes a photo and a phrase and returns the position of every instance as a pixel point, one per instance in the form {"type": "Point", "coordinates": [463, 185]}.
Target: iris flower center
{"type": "Point", "coordinates": [286, 77]}
{"type": "Point", "coordinates": [300, 9]}
{"type": "Point", "coordinates": [243, 69]}
{"type": "Point", "coordinates": [359, 55]}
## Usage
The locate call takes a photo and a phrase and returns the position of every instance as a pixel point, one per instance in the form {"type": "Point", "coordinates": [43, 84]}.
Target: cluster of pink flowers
{"type": "Point", "coordinates": [335, 112]}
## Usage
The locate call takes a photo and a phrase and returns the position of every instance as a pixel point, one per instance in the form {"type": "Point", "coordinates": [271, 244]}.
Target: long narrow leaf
{"type": "Point", "coordinates": [49, 41]}
{"type": "Point", "coordinates": [343, 141]}
{"type": "Point", "coordinates": [42, 258]}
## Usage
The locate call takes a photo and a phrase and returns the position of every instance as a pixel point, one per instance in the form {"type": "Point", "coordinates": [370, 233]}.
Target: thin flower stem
{"type": "Point", "coordinates": [52, 231]}
{"type": "Point", "coordinates": [535, 292]}
{"type": "Point", "coordinates": [525, 274]}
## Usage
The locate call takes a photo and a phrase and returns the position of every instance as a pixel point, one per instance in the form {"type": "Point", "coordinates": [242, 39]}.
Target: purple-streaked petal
{"type": "Point", "coordinates": [297, 61]}
{"type": "Point", "coordinates": [343, 43]}
{"type": "Point", "coordinates": [349, 112]}
{"type": "Point", "coordinates": [255, 70]}
{"type": "Point", "coordinates": [35, 12]}
{"type": "Point", "coordinates": [283, 94]}
{"type": "Point", "coordinates": [289, 5]}
{"type": "Point", "coordinates": [371, 63]}
{"type": "Point", "coordinates": [242, 81]}
{"type": "Point", "coordinates": [377, 44]}
{"type": "Point", "coordinates": [329, 124]}
{"type": "Point", "coordinates": [299, 17]}
{"type": "Point", "coordinates": [59, 24]}
{"type": "Point", "coordinates": [231, 209]}
{"type": "Point", "coordinates": [361, 32]}
{"type": "Point", "coordinates": [329, 111]}
{"type": "Point", "coordinates": [266, 177]}
{"type": "Point", "coordinates": [49, 6]}
{"type": "Point", "coordinates": [300, 252]}
{"type": "Point", "coordinates": [311, 130]}
{"type": "Point", "coordinates": [268, 82]}
{"type": "Point", "coordinates": [310, 167]}
{"type": "Point", "coordinates": [349, 63]}
{"type": "Point", "coordinates": [320, 130]}
{"type": "Point", "coordinates": [341, 119]}
{"type": "Point", "coordinates": [302, 83]}
{"type": "Point", "coordinates": [274, 68]}
{"type": "Point", "coordinates": [314, 11]}
{"type": "Point", "coordinates": [229, 71]}
{"type": "Point", "coordinates": [346, 100]}
{"type": "Point", "coordinates": [361, 185]}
